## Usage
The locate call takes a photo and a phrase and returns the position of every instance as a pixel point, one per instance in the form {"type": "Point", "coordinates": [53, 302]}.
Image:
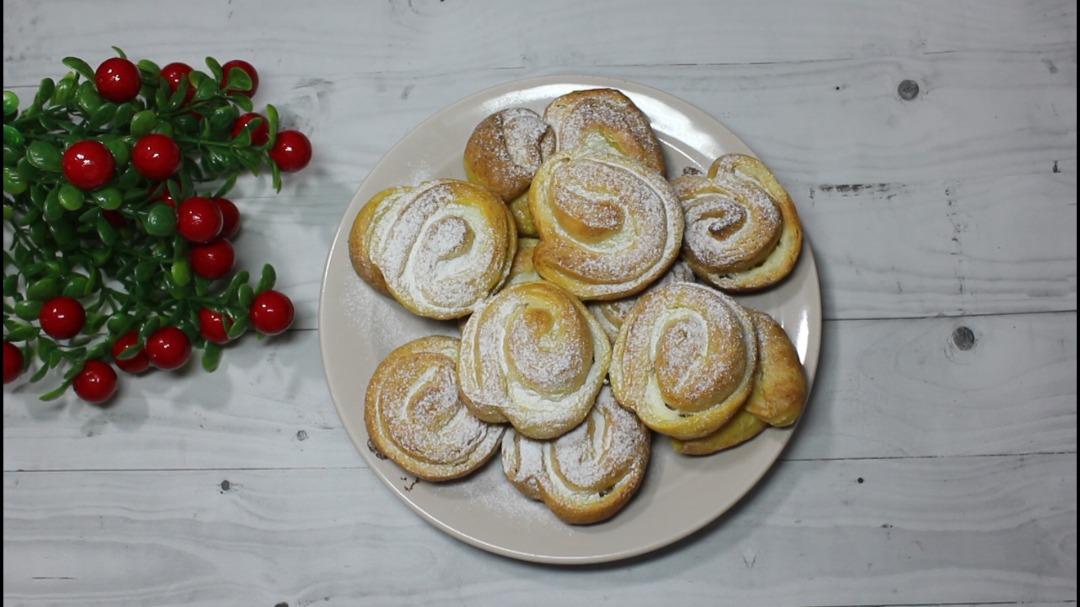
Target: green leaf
{"type": "Point", "coordinates": [43, 155]}
{"type": "Point", "coordinates": [239, 80]}
{"type": "Point", "coordinates": [87, 98]}
{"type": "Point", "coordinates": [80, 66]}
{"type": "Point", "coordinates": [242, 101]}
{"type": "Point", "coordinates": [267, 280]}
{"type": "Point", "coordinates": [102, 115]}
{"type": "Point", "coordinates": [21, 332]}
{"type": "Point", "coordinates": [244, 296]}
{"type": "Point", "coordinates": [59, 390]}
{"type": "Point", "coordinates": [106, 231]}
{"type": "Point", "coordinates": [40, 375]}
{"type": "Point", "coordinates": [215, 68]}
{"type": "Point", "coordinates": [272, 122]}
{"type": "Point", "coordinates": [152, 324]}
{"type": "Point", "coordinates": [150, 70]}
{"type": "Point", "coordinates": [120, 52]}
{"type": "Point", "coordinates": [177, 98]}
{"type": "Point", "coordinates": [45, 91]}
{"type": "Point", "coordinates": [143, 122]}
{"type": "Point", "coordinates": [65, 90]}
{"type": "Point", "coordinates": [206, 89]}
{"type": "Point", "coordinates": [211, 357]}
{"type": "Point", "coordinates": [238, 328]}
{"type": "Point", "coordinates": [276, 176]}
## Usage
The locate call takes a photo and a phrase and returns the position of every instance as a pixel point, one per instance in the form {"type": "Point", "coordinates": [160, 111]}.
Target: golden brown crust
{"type": "Point", "coordinates": [742, 229]}
{"type": "Point", "coordinates": [441, 247]}
{"type": "Point", "coordinates": [588, 474]}
{"type": "Point", "coordinates": [533, 355]}
{"type": "Point", "coordinates": [609, 226]}
{"type": "Point", "coordinates": [505, 150]}
{"type": "Point", "coordinates": [736, 431]}
{"type": "Point", "coordinates": [360, 237]}
{"type": "Point", "coordinates": [780, 386]}
{"type": "Point", "coordinates": [605, 120]}
{"type": "Point", "coordinates": [519, 208]}
{"type": "Point", "coordinates": [684, 360]}
{"type": "Point", "coordinates": [777, 399]}
{"type": "Point", "coordinates": [415, 417]}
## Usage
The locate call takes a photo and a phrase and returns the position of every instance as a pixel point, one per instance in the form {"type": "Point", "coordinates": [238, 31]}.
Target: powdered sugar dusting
{"type": "Point", "coordinates": [730, 225]}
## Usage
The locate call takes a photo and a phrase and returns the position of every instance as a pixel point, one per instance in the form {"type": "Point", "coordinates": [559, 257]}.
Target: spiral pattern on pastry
{"type": "Point", "coordinates": [505, 150]}
{"type": "Point", "coordinates": [442, 246]}
{"type": "Point", "coordinates": [684, 360]}
{"type": "Point", "coordinates": [742, 229]}
{"type": "Point", "coordinates": [414, 414]}
{"type": "Point", "coordinates": [363, 231]}
{"type": "Point", "coordinates": [777, 399]}
{"type": "Point", "coordinates": [609, 226]}
{"type": "Point", "coordinates": [533, 355]}
{"type": "Point", "coordinates": [611, 314]}
{"type": "Point", "coordinates": [588, 474]}
{"type": "Point", "coordinates": [604, 120]}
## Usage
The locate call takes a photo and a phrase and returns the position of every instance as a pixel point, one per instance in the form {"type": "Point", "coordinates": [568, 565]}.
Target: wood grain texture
{"type": "Point", "coordinates": [936, 462]}
{"type": "Point", "coordinates": [920, 531]}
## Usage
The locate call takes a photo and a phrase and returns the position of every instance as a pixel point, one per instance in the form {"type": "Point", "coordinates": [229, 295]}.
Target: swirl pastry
{"type": "Point", "coordinates": [684, 360]}
{"type": "Point", "coordinates": [609, 226]}
{"type": "Point", "coordinates": [438, 248]}
{"type": "Point", "coordinates": [612, 313]}
{"type": "Point", "coordinates": [777, 399]}
{"type": "Point", "coordinates": [607, 121]}
{"type": "Point", "coordinates": [742, 229]}
{"type": "Point", "coordinates": [588, 474]}
{"type": "Point", "coordinates": [414, 414]}
{"type": "Point", "coordinates": [505, 150]}
{"type": "Point", "coordinates": [533, 355]}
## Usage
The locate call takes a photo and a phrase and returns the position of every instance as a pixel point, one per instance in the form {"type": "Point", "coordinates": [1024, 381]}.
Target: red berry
{"type": "Point", "coordinates": [96, 383]}
{"type": "Point", "coordinates": [13, 362]}
{"type": "Point", "coordinates": [271, 312]}
{"type": "Point", "coordinates": [137, 363]}
{"type": "Point", "coordinates": [156, 156]}
{"type": "Point", "coordinates": [173, 72]}
{"type": "Point", "coordinates": [247, 67]}
{"type": "Point", "coordinates": [212, 327]}
{"type": "Point", "coordinates": [212, 260]}
{"type": "Point", "coordinates": [168, 348]}
{"type": "Point", "coordinates": [199, 219]}
{"type": "Point", "coordinates": [260, 135]}
{"type": "Point", "coordinates": [88, 164]}
{"type": "Point", "coordinates": [62, 317]}
{"type": "Point", "coordinates": [118, 80]}
{"type": "Point", "coordinates": [291, 151]}
{"type": "Point", "coordinates": [230, 217]}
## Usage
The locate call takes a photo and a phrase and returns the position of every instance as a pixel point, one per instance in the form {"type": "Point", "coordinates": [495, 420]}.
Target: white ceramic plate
{"type": "Point", "coordinates": [358, 328]}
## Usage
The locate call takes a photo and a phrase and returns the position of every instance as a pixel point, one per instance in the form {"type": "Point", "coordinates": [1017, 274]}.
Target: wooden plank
{"type": "Point", "coordinates": [884, 389]}
{"type": "Point", "coordinates": [420, 34]}
{"type": "Point", "coordinates": [971, 530]}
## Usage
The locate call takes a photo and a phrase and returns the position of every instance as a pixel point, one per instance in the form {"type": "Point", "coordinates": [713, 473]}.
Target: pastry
{"type": "Point", "coordinates": [609, 226]}
{"type": "Point", "coordinates": [612, 313]}
{"type": "Point", "coordinates": [440, 247]}
{"type": "Point", "coordinates": [588, 474]}
{"type": "Point", "coordinates": [780, 385]}
{"type": "Point", "coordinates": [533, 355]}
{"type": "Point", "coordinates": [604, 120]}
{"type": "Point", "coordinates": [361, 234]}
{"type": "Point", "coordinates": [684, 360]}
{"type": "Point", "coordinates": [742, 229]}
{"type": "Point", "coordinates": [523, 219]}
{"type": "Point", "coordinates": [778, 396]}
{"type": "Point", "coordinates": [523, 270]}
{"type": "Point", "coordinates": [505, 150]}
{"type": "Point", "coordinates": [415, 417]}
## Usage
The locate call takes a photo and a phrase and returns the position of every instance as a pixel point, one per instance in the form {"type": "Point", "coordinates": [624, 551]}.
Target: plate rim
{"type": "Point", "coordinates": [630, 88]}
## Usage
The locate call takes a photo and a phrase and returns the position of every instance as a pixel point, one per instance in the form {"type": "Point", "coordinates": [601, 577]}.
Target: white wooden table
{"type": "Point", "coordinates": [936, 464]}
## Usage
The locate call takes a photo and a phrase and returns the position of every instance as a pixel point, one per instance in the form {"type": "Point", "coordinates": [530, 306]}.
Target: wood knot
{"type": "Point", "coordinates": [225, 485]}
{"type": "Point", "coordinates": [908, 90]}
{"type": "Point", "coordinates": [964, 338]}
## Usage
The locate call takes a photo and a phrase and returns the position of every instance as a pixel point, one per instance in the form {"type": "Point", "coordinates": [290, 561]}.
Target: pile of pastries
{"type": "Point", "coordinates": [593, 295]}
